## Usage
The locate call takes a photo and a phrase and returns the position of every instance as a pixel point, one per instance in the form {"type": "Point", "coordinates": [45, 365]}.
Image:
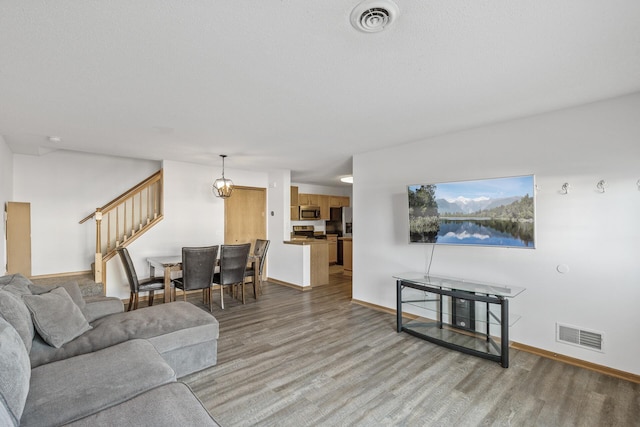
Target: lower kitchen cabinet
{"type": "Point", "coordinates": [347, 255]}
{"type": "Point", "coordinates": [332, 240]}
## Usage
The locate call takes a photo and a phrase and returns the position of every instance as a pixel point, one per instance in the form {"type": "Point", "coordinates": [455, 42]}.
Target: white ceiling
{"type": "Point", "coordinates": [283, 84]}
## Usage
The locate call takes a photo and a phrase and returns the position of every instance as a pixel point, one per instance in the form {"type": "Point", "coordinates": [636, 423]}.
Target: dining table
{"type": "Point", "coordinates": [173, 263]}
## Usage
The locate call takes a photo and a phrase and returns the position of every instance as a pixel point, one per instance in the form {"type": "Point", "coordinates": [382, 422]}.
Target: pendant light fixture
{"type": "Point", "coordinates": [222, 187]}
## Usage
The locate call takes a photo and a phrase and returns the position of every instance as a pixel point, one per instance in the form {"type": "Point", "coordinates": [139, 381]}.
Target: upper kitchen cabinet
{"type": "Point", "coordinates": [305, 199]}
{"type": "Point", "coordinates": [325, 212]}
{"type": "Point", "coordinates": [338, 201]}
{"type": "Point", "coordinates": [323, 201]}
{"type": "Point", "coordinates": [295, 212]}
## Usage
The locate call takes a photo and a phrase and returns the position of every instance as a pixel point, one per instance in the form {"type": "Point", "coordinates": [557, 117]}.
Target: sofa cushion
{"type": "Point", "coordinates": [147, 322]}
{"type": "Point", "coordinates": [97, 307]}
{"type": "Point", "coordinates": [169, 405]}
{"type": "Point", "coordinates": [70, 389]}
{"type": "Point", "coordinates": [56, 317]}
{"type": "Point", "coordinates": [16, 284]}
{"type": "Point", "coordinates": [72, 289]}
{"type": "Point", "coordinates": [14, 311]}
{"type": "Point", "coordinates": [15, 372]}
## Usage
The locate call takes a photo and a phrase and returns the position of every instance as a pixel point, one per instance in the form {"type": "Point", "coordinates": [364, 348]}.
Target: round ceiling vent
{"type": "Point", "coordinates": [372, 16]}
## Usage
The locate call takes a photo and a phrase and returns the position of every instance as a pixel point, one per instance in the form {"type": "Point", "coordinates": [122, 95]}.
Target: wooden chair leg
{"type": "Point", "coordinates": [135, 301]}
{"type": "Point", "coordinates": [150, 298]}
{"type": "Point", "coordinates": [222, 296]}
{"type": "Point", "coordinates": [130, 301]}
{"type": "Point", "coordinates": [184, 294]}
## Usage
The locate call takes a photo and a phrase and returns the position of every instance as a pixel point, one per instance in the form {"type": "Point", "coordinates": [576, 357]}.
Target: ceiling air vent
{"type": "Point", "coordinates": [372, 16]}
{"type": "Point", "coordinates": [580, 337]}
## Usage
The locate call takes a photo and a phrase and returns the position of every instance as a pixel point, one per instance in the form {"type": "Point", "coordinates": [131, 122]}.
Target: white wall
{"type": "Point", "coordinates": [284, 262]}
{"type": "Point", "coordinates": [595, 234]}
{"type": "Point", "coordinates": [63, 187]}
{"type": "Point", "coordinates": [6, 195]}
{"type": "Point", "coordinates": [323, 189]}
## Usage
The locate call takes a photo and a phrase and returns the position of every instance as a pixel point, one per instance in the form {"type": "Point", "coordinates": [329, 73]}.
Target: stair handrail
{"type": "Point", "coordinates": [124, 196]}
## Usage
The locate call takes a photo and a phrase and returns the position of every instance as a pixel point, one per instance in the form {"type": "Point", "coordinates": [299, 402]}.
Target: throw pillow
{"type": "Point", "coordinates": [56, 317]}
{"type": "Point", "coordinates": [72, 289]}
{"type": "Point", "coordinates": [14, 311]}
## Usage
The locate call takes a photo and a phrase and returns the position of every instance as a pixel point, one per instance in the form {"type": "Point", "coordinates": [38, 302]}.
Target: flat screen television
{"type": "Point", "coordinates": [486, 212]}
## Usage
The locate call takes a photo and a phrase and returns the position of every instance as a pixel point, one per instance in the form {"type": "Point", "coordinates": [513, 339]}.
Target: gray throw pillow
{"type": "Point", "coordinates": [14, 311]}
{"type": "Point", "coordinates": [72, 289]}
{"type": "Point", "coordinates": [56, 317]}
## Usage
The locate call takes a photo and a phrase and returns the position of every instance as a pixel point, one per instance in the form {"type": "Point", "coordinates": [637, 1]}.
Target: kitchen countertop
{"type": "Point", "coordinates": [305, 242]}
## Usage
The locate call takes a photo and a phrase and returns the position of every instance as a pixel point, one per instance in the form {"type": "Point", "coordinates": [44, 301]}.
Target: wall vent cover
{"type": "Point", "coordinates": [592, 340]}
{"type": "Point", "coordinates": [372, 16]}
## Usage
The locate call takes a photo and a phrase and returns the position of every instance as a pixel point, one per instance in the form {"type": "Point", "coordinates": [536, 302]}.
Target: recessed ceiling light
{"type": "Point", "coordinates": [347, 179]}
{"type": "Point", "coordinates": [55, 139]}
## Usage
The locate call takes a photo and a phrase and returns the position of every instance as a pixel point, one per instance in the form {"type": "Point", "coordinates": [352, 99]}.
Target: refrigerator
{"type": "Point", "coordinates": [347, 221]}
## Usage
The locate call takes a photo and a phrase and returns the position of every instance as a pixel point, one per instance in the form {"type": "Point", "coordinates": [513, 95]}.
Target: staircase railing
{"type": "Point", "coordinates": [124, 219]}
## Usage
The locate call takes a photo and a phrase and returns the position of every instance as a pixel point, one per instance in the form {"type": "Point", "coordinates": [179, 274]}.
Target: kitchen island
{"type": "Point", "coordinates": [314, 254]}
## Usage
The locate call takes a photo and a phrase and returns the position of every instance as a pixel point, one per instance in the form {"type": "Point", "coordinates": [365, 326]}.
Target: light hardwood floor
{"type": "Point", "coordinates": [314, 359]}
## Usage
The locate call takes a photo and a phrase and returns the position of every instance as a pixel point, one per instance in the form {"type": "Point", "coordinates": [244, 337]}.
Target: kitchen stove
{"type": "Point", "coordinates": [306, 232]}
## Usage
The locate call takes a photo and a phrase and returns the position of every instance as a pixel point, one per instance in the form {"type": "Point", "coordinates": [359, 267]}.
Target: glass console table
{"type": "Point", "coordinates": [471, 317]}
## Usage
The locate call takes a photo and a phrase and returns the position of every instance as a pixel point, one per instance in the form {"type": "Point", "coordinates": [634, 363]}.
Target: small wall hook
{"type": "Point", "coordinates": [565, 188]}
{"type": "Point", "coordinates": [601, 185]}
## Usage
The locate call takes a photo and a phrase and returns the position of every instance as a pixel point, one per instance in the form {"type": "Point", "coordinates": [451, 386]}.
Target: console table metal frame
{"type": "Point", "coordinates": [423, 285]}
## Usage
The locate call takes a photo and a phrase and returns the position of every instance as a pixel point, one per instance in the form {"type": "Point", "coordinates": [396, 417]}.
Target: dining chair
{"type": "Point", "coordinates": [137, 285]}
{"type": "Point", "coordinates": [233, 263]}
{"type": "Point", "coordinates": [198, 265]}
{"type": "Point", "coordinates": [259, 251]}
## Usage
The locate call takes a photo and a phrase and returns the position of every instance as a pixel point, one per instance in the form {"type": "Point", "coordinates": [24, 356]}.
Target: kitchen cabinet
{"type": "Point", "coordinates": [324, 201]}
{"type": "Point", "coordinates": [325, 212]}
{"type": "Point", "coordinates": [295, 212]}
{"type": "Point", "coordinates": [338, 201]}
{"type": "Point", "coordinates": [306, 199]}
{"type": "Point", "coordinates": [347, 254]}
{"type": "Point", "coordinates": [332, 240]}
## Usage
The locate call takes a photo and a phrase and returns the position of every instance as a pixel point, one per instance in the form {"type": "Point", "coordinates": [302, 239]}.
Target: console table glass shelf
{"type": "Point", "coordinates": [468, 316]}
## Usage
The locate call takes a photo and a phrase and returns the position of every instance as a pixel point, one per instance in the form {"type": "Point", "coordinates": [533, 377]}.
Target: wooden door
{"type": "Point", "coordinates": [19, 238]}
{"type": "Point", "coordinates": [245, 216]}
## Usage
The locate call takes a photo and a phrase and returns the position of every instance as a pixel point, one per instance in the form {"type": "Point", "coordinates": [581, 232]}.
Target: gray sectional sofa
{"type": "Point", "coordinates": [70, 360]}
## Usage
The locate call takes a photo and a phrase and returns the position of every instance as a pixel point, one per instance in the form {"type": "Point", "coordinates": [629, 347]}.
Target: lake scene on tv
{"type": "Point", "coordinates": [487, 212]}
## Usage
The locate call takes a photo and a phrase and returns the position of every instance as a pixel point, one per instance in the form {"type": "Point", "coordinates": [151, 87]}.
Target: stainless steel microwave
{"type": "Point", "coordinates": [309, 212]}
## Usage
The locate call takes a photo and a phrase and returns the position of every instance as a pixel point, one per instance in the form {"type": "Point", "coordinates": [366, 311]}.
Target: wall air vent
{"type": "Point", "coordinates": [579, 337]}
{"type": "Point", "coordinates": [372, 16]}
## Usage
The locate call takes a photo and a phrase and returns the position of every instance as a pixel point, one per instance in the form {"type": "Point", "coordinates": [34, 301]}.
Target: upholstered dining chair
{"type": "Point", "coordinates": [198, 265]}
{"type": "Point", "coordinates": [233, 263]}
{"type": "Point", "coordinates": [259, 251]}
{"type": "Point", "coordinates": [137, 285]}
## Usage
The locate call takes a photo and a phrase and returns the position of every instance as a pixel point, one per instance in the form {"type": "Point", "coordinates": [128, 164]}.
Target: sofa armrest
{"type": "Point", "coordinates": [98, 307]}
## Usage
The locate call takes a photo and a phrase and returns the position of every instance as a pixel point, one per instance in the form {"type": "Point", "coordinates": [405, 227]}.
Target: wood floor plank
{"type": "Point", "coordinates": [313, 358]}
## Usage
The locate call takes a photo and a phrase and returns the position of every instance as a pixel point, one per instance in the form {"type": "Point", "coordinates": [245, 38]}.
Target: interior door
{"type": "Point", "coordinates": [18, 228]}
{"type": "Point", "coordinates": [245, 218]}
